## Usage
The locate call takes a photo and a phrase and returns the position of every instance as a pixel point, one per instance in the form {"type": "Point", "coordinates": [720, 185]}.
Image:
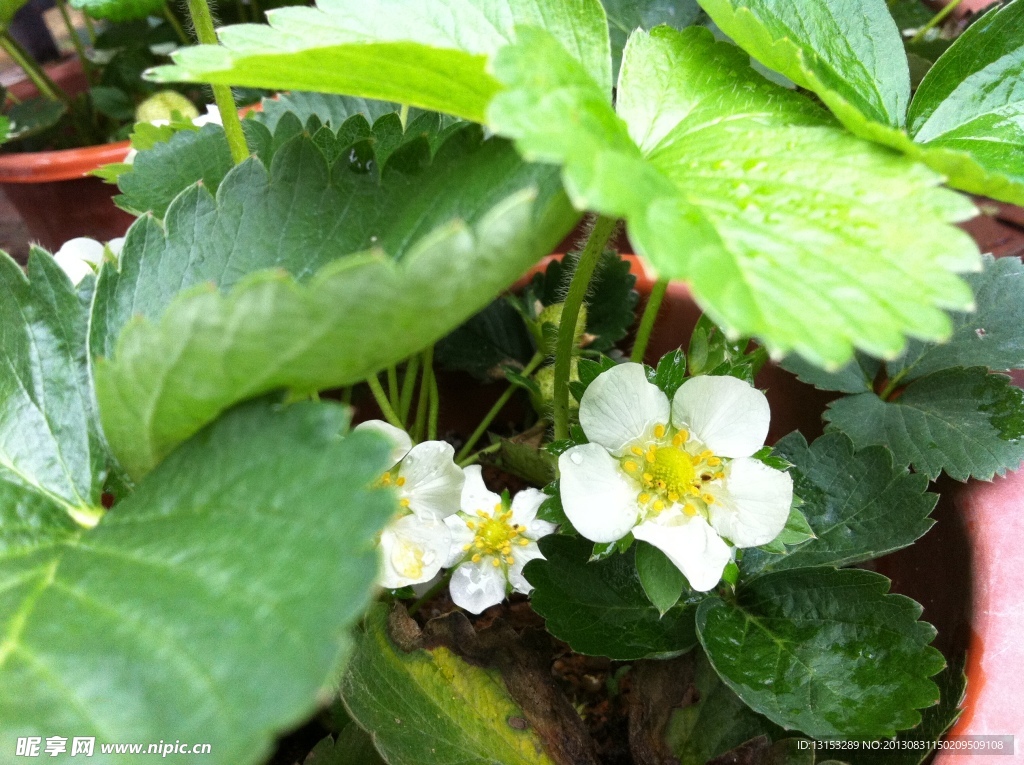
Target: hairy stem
{"type": "Point", "coordinates": [35, 72]}
{"type": "Point", "coordinates": [76, 41]}
{"type": "Point", "coordinates": [937, 19]}
{"type": "Point", "coordinates": [203, 22]}
{"type": "Point", "coordinates": [179, 30]}
{"type": "Point", "coordinates": [599, 235]}
{"type": "Point", "coordinates": [643, 334]}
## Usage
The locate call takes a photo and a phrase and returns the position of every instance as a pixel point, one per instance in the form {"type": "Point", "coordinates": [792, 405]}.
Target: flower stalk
{"type": "Point", "coordinates": [643, 334]}
{"type": "Point", "coordinates": [599, 236]}
{"type": "Point", "coordinates": [35, 72]}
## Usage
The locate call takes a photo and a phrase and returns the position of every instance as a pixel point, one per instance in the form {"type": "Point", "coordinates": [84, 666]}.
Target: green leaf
{"type": "Point", "coordinates": [333, 110]}
{"type": "Point", "coordinates": [52, 453]}
{"type": "Point", "coordinates": [493, 339]}
{"type": "Point", "coordinates": [964, 421]}
{"type": "Point", "coordinates": [431, 706]}
{"type": "Point", "coordinates": [33, 116]}
{"type": "Point", "coordinates": [160, 173]}
{"type": "Point", "coordinates": [626, 15]}
{"type": "Point", "coordinates": [213, 603]}
{"type": "Point", "coordinates": [354, 746]}
{"type": "Point", "coordinates": [119, 10]}
{"type": "Point", "coordinates": [524, 458]}
{"type": "Point", "coordinates": [992, 336]}
{"type": "Point", "coordinates": [856, 377]}
{"type": "Point", "coordinates": [716, 722]}
{"type": "Point", "coordinates": [396, 50]}
{"type": "Point", "coordinates": [847, 51]}
{"type": "Point", "coordinates": [670, 372]}
{"type": "Point", "coordinates": [442, 245]}
{"type": "Point", "coordinates": [112, 102]}
{"type": "Point", "coordinates": [971, 102]}
{"type": "Point", "coordinates": [662, 581]}
{"type": "Point", "coordinates": [718, 174]}
{"type": "Point", "coordinates": [601, 609]}
{"type": "Point", "coordinates": [826, 652]}
{"type": "Point", "coordinates": [857, 503]}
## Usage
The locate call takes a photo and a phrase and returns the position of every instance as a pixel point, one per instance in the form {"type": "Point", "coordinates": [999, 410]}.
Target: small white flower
{"type": "Point", "coordinates": [492, 542]}
{"type": "Point", "coordinates": [212, 117]}
{"type": "Point", "coordinates": [678, 474]}
{"type": "Point", "coordinates": [429, 484]}
{"type": "Point", "coordinates": [79, 257]}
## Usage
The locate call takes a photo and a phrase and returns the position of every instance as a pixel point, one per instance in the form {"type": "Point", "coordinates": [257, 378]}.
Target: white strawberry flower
{"type": "Point", "coordinates": [80, 257]}
{"type": "Point", "coordinates": [429, 484]}
{"type": "Point", "coordinates": [491, 543]}
{"type": "Point", "coordinates": [679, 475]}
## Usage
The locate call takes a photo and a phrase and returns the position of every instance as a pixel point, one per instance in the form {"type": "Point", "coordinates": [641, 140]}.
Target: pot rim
{"type": "Point", "coordinates": [59, 165]}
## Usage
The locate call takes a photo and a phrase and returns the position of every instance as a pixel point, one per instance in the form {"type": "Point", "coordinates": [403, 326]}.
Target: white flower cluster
{"type": "Point", "coordinates": [449, 519]}
{"type": "Point", "coordinates": [83, 256]}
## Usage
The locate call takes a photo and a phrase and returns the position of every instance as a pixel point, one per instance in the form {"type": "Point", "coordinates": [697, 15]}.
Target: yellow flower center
{"type": "Point", "coordinates": [389, 480]}
{"type": "Point", "coordinates": [408, 560]}
{"type": "Point", "coordinates": [494, 534]}
{"type": "Point", "coordinates": [670, 470]}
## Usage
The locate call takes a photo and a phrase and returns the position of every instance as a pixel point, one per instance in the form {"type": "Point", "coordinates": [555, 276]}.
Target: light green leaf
{"type": "Point", "coordinates": [431, 707]}
{"type": "Point", "coordinates": [858, 504]}
{"type": "Point", "coordinates": [827, 652]}
{"type": "Point", "coordinates": [403, 261]}
{"type": "Point", "coordinates": [394, 50]}
{"type": "Point", "coordinates": [600, 608]}
{"type": "Point", "coordinates": [718, 175]}
{"type": "Point", "coordinates": [846, 51]}
{"type": "Point", "coordinates": [212, 605]}
{"type": "Point", "coordinates": [119, 10]}
{"type": "Point", "coordinates": [51, 449]}
{"type": "Point", "coordinates": [963, 421]}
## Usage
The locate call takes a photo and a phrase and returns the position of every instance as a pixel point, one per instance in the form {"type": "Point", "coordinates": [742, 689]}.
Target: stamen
{"type": "Point", "coordinates": [644, 498]}
{"type": "Point", "coordinates": [708, 499]}
{"type": "Point", "coordinates": [689, 509]}
{"type": "Point", "coordinates": [659, 431]}
{"type": "Point", "coordinates": [630, 467]}
{"type": "Point", "coordinates": [650, 456]}
{"type": "Point", "coordinates": [648, 478]}
{"type": "Point", "coordinates": [673, 497]}
{"type": "Point", "coordinates": [510, 560]}
{"type": "Point", "coordinates": [714, 461]}
{"type": "Point", "coordinates": [403, 502]}
{"type": "Point", "coordinates": [524, 542]}
{"type": "Point", "coordinates": [637, 451]}
{"type": "Point", "coordinates": [476, 558]}
{"type": "Point", "coordinates": [400, 481]}
{"type": "Point", "coordinates": [496, 562]}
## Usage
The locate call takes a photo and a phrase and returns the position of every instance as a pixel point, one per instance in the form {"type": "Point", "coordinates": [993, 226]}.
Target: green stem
{"type": "Point", "coordinates": [382, 402]}
{"type": "Point", "coordinates": [599, 235]}
{"type": "Point", "coordinates": [202, 20]}
{"type": "Point", "coordinates": [433, 409]}
{"type": "Point", "coordinates": [429, 594]}
{"type": "Point", "coordinates": [412, 368]}
{"type": "Point", "coordinates": [62, 8]}
{"type": "Point", "coordinates": [937, 19]}
{"type": "Point", "coordinates": [892, 385]}
{"type": "Point", "coordinates": [535, 362]}
{"type": "Point", "coordinates": [257, 11]}
{"type": "Point", "coordinates": [242, 15]}
{"type": "Point", "coordinates": [643, 334]}
{"type": "Point", "coordinates": [419, 429]}
{"type": "Point", "coordinates": [22, 58]}
{"type": "Point", "coordinates": [393, 395]}
{"type": "Point", "coordinates": [179, 30]}
{"type": "Point", "coordinates": [89, 29]}
{"type": "Point", "coordinates": [471, 459]}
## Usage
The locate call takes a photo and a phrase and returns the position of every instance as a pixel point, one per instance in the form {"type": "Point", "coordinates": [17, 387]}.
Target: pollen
{"type": "Point", "coordinates": [637, 451]}
{"type": "Point", "coordinates": [404, 502]}
{"type": "Point", "coordinates": [630, 466]}
{"type": "Point", "coordinates": [708, 499]}
{"type": "Point", "coordinates": [659, 431]}
{"type": "Point", "coordinates": [495, 534]}
{"type": "Point", "coordinates": [400, 481]}
{"type": "Point", "coordinates": [644, 498]}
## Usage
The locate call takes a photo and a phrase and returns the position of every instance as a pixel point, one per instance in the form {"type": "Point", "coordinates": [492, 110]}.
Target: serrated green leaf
{"type": "Point", "coordinates": [432, 707]}
{"type": "Point", "coordinates": [454, 250]}
{"type": "Point", "coordinates": [626, 15]}
{"type": "Point", "coordinates": [354, 746]}
{"type": "Point", "coordinates": [331, 109]}
{"type": "Point", "coordinates": [661, 578]}
{"type": "Point", "coordinates": [723, 188]}
{"type": "Point", "coordinates": [32, 116]}
{"type": "Point", "coordinates": [670, 372]}
{"type": "Point", "coordinates": [601, 609]}
{"type": "Point", "coordinates": [827, 652]}
{"type": "Point", "coordinates": [963, 421]}
{"type": "Point", "coordinates": [858, 504]}
{"type": "Point", "coordinates": [855, 377]}
{"type": "Point", "coordinates": [51, 446]}
{"type": "Point", "coordinates": [213, 603]}
{"type": "Point", "coordinates": [119, 10]}
{"type": "Point", "coordinates": [845, 50]}
{"type": "Point", "coordinates": [991, 336]}
{"type": "Point", "coordinates": [716, 722]}
{"type": "Point", "coordinates": [492, 339]}
{"type": "Point", "coordinates": [395, 50]}
{"type": "Point", "coordinates": [797, 530]}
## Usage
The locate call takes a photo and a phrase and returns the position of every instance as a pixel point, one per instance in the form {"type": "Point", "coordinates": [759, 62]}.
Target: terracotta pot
{"type": "Point", "coordinates": [53, 191]}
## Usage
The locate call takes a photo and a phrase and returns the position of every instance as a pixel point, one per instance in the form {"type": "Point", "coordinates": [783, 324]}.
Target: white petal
{"type": "Point", "coordinates": [75, 268]}
{"type": "Point", "coordinates": [412, 551]}
{"type": "Point", "coordinates": [621, 407]}
{"type": "Point", "coordinates": [82, 248]}
{"type": "Point", "coordinates": [433, 482]}
{"type": "Point", "coordinates": [522, 555]}
{"type": "Point", "coordinates": [752, 506]}
{"type": "Point", "coordinates": [476, 586]}
{"type": "Point", "coordinates": [729, 415]}
{"type": "Point", "coordinates": [398, 438]}
{"type": "Point", "coordinates": [691, 544]}
{"type": "Point", "coordinates": [475, 494]}
{"type": "Point", "coordinates": [597, 497]}
{"type": "Point", "coordinates": [524, 512]}
{"type": "Point", "coordinates": [115, 246]}
{"type": "Point", "coordinates": [461, 536]}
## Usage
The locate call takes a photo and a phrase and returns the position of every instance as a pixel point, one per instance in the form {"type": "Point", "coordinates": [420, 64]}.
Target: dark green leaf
{"type": "Point", "coordinates": [524, 459]}
{"type": "Point", "coordinates": [966, 422]}
{"type": "Point", "coordinates": [119, 10]}
{"type": "Point", "coordinates": [332, 110]}
{"type": "Point", "coordinates": [112, 102]}
{"type": "Point", "coordinates": [661, 579]}
{"type": "Point", "coordinates": [32, 116]}
{"type": "Point", "coordinates": [626, 15]}
{"type": "Point", "coordinates": [211, 605]}
{"type": "Point", "coordinates": [856, 377]}
{"type": "Point", "coordinates": [354, 746]}
{"type": "Point", "coordinates": [601, 609]}
{"type": "Point", "coordinates": [827, 652]}
{"type": "Point", "coordinates": [494, 338]}
{"type": "Point", "coordinates": [611, 302]}
{"type": "Point", "coordinates": [846, 51]}
{"type": "Point", "coordinates": [858, 504]}
{"type": "Point", "coordinates": [716, 722]}
{"type": "Point", "coordinates": [460, 233]}
{"type": "Point", "coordinates": [671, 372]}
{"type": "Point", "coordinates": [431, 707]}
{"type": "Point", "coordinates": [51, 449]}
{"type": "Point", "coordinates": [909, 14]}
